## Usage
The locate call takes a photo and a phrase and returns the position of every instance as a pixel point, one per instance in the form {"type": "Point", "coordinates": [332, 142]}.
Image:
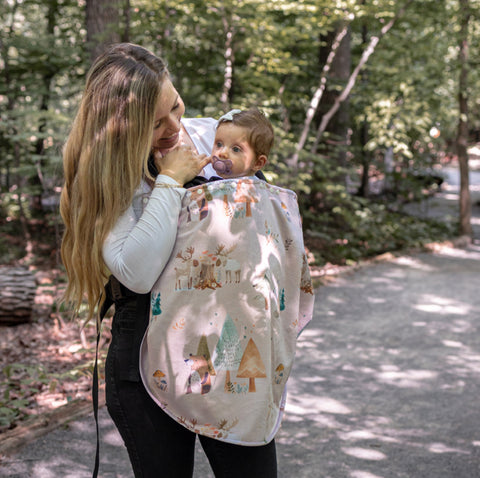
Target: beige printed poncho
{"type": "Point", "coordinates": [227, 310]}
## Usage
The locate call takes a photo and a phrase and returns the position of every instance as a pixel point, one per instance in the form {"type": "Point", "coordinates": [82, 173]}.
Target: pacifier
{"type": "Point", "coordinates": [222, 166]}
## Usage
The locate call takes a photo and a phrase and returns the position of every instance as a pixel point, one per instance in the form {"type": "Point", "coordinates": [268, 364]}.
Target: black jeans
{"type": "Point", "coordinates": [157, 445]}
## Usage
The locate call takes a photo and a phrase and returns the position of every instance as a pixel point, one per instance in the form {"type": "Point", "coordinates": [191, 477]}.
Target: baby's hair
{"type": "Point", "coordinates": [260, 135]}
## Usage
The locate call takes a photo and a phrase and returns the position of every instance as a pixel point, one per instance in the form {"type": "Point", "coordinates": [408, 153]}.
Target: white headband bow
{"type": "Point", "coordinates": [229, 116]}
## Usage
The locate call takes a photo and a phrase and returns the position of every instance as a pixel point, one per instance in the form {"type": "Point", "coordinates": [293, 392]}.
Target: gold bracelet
{"type": "Point", "coordinates": [165, 185]}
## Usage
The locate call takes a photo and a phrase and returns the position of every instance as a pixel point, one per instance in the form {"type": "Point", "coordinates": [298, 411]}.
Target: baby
{"type": "Point", "coordinates": [228, 308]}
{"type": "Point", "coordinates": [242, 143]}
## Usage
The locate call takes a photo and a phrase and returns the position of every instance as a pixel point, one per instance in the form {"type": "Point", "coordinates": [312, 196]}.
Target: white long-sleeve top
{"type": "Point", "coordinates": [141, 242]}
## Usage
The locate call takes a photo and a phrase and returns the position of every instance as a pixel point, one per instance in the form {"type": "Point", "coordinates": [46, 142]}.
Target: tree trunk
{"type": "Point", "coordinates": [462, 134]}
{"type": "Point", "coordinates": [103, 25]}
{"type": "Point", "coordinates": [364, 189]}
{"type": "Point", "coordinates": [47, 78]}
{"type": "Point", "coordinates": [8, 77]}
{"type": "Point", "coordinates": [336, 145]}
{"type": "Point", "coordinates": [353, 77]}
{"type": "Point", "coordinates": [315, 101]}
{"type": "Point", "coordinates": [228, 382]}
{"type": "Point", "coordinates": [229, 62]}
{"type": "Point", "coordinates": [126, 19]}
{"type": "Point", "coordinates": [17, 295]}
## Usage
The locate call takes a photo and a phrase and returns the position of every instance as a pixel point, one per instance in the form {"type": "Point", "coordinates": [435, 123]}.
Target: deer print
{"type": "Point", "coordinates": [230, 266]}
{"type": "Point", "coordinates": [184, 269]}
{"type": "Point", "coordinates": [206, 277]}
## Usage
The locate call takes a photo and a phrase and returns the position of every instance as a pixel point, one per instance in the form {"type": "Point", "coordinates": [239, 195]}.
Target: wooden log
{"type": "Point", "coordinates": [17, 294]}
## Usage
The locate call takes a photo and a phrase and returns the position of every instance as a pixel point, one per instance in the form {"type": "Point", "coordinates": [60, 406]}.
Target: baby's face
{"type": "Point", "coordinates": [232, 155]}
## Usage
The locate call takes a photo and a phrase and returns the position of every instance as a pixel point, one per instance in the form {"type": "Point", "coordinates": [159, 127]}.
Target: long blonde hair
{"type": "Point", "coordinates": [104, 159]}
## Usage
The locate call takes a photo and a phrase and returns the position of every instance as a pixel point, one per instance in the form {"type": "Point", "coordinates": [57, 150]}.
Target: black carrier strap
{"type": "Point", "coordinates": [106, 305]}
{"type": "Point", "coordinates": [114, 293]}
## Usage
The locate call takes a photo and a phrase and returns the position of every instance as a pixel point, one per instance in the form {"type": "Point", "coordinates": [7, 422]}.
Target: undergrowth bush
{"type": "Point", "coordinates": [341, 227]}
{"type": "Point", "coordinates": [356, 228]}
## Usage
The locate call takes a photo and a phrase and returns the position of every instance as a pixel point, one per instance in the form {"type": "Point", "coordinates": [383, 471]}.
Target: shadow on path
{"type": "Point", "coordinates": [387, 379]}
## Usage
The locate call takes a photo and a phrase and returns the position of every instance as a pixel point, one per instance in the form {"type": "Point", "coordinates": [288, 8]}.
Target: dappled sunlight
{"type": "Point", "coordinates": [71, 452]}
{"type": "Point", "coordinates": [112, 438]}
{"type": "Point", "coordinates": [406, 378]}
{"type": "Point", "coordinates": [440, 305]}
{"type": "Point", "coordinates": [415, 263]}
{"type": "Point", "coordinates": [336, 300]}
{"type": "Point", "coordinates": [310, 341]}
{"type": "Point", "coordinates": [312, 379]}
{"type": "Point", "coordinates": [363, 474]}
{"type": "Point", "coordinates": [452, 343]}
{"type": "Point", "coordinates": [473, 253]}
{"type": "Point", "coordinates": [390, 282]}
{"type": "Point", "coordinates": [309, 336]}
{"type": "Point", "coordinates": [374, 434]}
{"type": "Point", "coordinates": [51, 401]}
{"type": "Point", "coordinates": [376, 300]}
{"type": "Point", "coordinates": [385, 380]}
{"type": "Point", "coordinates": [442, 448]}
{"type": "Point", "coordinates": [380, 374]}
{"type": "Point", "coordinates": [465, 362]}
{"type": "Point", "coordinates": [364, 453]}
{"type": "Point", "coordinates": [461, 326]}
{"type": "Point", "coordinates": [321, 421]}
{"type": "Point", "coordinates": [357, 435]}
{"type": "Point", "coordinates": [308, 405]}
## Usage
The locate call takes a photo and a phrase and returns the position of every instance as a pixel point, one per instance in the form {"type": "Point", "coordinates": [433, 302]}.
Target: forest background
{"type": "Point", "coordinates": [368, 98]}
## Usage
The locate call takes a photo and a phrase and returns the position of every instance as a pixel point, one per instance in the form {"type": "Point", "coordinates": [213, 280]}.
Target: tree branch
{"type": "Point", "coordinates": [312, 109]}
{"type": "Point", "coordinates": [293, 161]}
{"type": "Point", "coordinates": [353, 77]}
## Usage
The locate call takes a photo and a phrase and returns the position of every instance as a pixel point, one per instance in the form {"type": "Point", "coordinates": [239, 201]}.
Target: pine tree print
{"type": "Point", "coordinates": [251, 366]}
{"type": "Point", "coordinates": [156, 310]}
{"type": "Point", "coordinates": [204, 351]}
{"type": "Point", "coordinates": [228, 351]}
{"type": "Point", "coordinates": [282, 299]}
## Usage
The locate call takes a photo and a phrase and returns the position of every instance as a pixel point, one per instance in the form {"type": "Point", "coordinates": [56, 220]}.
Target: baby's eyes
{"type": "Point", "coordinates": [235, 149]}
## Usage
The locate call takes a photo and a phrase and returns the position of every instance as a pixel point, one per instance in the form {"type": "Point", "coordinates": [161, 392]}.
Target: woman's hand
{"type": "Point", "coordinates": [181, 164]}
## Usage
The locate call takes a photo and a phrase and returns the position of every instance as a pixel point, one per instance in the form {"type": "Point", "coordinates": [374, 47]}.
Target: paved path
{"type": "Point", "coordinates": [386, 383]}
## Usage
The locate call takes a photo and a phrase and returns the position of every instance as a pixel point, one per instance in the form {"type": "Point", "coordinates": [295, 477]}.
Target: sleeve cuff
{"type": "Point", "coordinates": [163, 180]}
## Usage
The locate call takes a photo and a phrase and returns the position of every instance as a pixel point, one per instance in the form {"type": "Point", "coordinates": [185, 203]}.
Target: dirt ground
{"type": "Point", "coordinates": [47, 362]}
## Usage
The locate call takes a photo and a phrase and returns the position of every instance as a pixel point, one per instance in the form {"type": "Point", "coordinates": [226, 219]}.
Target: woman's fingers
{"type": "Point", "coordinates": [182, 163]}
{"type": "Point", "coordinates": [204, 160]}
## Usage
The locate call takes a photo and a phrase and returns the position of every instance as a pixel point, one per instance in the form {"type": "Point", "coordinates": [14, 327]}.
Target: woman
{"type": "Point", "coordinates": [120, 219]}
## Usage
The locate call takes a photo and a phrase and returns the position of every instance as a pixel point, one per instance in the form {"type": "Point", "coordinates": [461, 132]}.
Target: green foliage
{"type": "Point", "coordinates": [9, 252]}
{"type": "Point", "coordinates": [408, 86]}
{"type": "Point", "coordinates": [350, 228]}
{"type": "Point", "coordinates": [35, 90]}
{"type": "Point", "coordinates": [20, 383]}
